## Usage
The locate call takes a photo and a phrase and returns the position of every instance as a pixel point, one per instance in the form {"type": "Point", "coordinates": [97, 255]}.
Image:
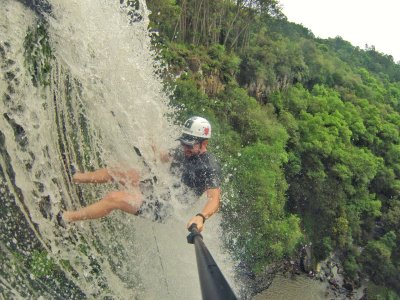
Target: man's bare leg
{"type": "Point", "coordinates": [129, 177]}
{"type": "Point", "coordinates": [127, 202]}
{"type": "Point", "coordinates": [98, 176]}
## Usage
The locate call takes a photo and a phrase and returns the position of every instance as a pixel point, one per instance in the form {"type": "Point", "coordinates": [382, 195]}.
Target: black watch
{"type": "Point", "coordinates": [201, 215]}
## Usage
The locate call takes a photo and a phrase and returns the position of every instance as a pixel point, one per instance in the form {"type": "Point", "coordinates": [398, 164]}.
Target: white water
{"type": "Point", "coordinates": [103, 100]}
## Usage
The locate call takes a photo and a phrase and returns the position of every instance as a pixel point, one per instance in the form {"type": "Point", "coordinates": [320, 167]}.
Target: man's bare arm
{"type": "Point", "coordinates": [211, 207]}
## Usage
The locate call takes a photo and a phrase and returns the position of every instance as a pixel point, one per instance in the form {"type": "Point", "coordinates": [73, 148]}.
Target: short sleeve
{"type": "Point", "coordinates": [213, 177]}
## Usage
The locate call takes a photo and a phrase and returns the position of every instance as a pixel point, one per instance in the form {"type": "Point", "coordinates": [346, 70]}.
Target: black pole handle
{"type": "Point", "coordinates": [212, 282]}
{"type": "Point", "coordinates": [194, 232]}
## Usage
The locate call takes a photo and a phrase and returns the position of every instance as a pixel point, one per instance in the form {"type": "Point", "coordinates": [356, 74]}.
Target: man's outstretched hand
{"type": "Point", "coordinates": [198, 220]}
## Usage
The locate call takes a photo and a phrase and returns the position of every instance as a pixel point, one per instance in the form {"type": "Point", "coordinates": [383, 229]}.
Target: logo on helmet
{"type": "Point", "coordinates": [188, 123]}
{"type": "Point", "coordinates": [206, 131]}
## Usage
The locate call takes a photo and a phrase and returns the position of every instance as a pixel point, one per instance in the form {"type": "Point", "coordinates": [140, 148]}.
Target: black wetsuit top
{"type": "Point", "coordinates": [198, 172]}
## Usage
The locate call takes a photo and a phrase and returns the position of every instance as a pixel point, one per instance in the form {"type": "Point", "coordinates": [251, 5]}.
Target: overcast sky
{"type": "Point", "coordinates": [360, 22]}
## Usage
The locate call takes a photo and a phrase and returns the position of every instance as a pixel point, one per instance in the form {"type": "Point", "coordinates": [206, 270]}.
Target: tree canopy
{"type": "Point", "coordinates": [307, 130]}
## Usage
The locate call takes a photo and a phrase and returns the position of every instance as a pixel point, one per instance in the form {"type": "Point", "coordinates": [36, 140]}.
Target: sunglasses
{"type": "Point", "coordinates": [188, 146]}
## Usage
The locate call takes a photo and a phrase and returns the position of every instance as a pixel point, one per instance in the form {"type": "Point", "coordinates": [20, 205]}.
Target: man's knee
{"type": "Point", "coordinates": [120, 198]}
{"type": "Point", "coordinates": [116, 196]}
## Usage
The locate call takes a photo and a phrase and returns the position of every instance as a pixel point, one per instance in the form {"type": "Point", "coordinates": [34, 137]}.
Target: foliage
{"type": "Point", "coordinates": [263, 230]}
{"type": "Point", "coordinates": [351, 267]}
{"type": "Point", "coordinates": [380, 292]}
{"type": "Point", "coordinates": [42, 264]}
{"type": "Point", "coordinates": [209, 22]}
{"type": "Point", "coordinates": [378, 261]}
{"type": "Point", "coordinates": [307, 129]}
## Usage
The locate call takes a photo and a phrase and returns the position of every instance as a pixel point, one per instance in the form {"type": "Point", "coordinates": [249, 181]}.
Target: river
{"type": "Point", "coordinates": [302, 287]}
{"type": "Point", "coordinates": [299, 287]}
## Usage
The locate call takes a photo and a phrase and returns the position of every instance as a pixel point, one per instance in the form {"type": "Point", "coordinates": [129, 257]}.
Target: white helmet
{"type": "Point", "coordinates": [195, 129]}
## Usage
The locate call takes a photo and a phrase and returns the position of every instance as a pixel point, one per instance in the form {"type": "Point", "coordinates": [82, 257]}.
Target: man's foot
{"type": "Point", "coordinates": [45, 207]}
{"type": "Point", "coordinates": [60, 220]}
{"type": "Point", "coordinates": [72, 168]}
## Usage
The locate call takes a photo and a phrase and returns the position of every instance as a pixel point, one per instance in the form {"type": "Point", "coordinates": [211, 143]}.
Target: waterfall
{"type": "Point", "coordinates": [79, 87]}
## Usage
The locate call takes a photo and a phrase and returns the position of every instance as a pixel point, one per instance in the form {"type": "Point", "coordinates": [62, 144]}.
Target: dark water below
{"type": "Point", "coordinates": [301, 287]}
{"type": "Point", "coordinates": [294, 287]}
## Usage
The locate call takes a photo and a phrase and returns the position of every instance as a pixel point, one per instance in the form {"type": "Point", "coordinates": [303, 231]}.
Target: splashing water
{"type": "Point", "coordinates": [79, 88]}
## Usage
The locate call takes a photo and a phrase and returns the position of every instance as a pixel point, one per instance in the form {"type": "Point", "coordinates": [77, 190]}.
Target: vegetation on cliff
{"type": "Point", "coordinates": [307, 130]}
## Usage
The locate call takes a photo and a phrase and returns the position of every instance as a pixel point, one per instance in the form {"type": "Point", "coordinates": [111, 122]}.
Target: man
{"type": "Point", "coordinates": [199, 171]}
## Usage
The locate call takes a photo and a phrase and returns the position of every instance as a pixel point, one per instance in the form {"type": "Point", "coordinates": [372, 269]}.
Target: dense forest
{"type": "Point", "coordinates": [307, 130]}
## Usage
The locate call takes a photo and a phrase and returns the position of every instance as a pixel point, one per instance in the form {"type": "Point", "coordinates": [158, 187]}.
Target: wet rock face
{"type": "Point", "coordinates": [38, 6]}
{"type": "Point", "coordinates": [306, 262]}
{"type": "Point", "coordinates": [331, 272]}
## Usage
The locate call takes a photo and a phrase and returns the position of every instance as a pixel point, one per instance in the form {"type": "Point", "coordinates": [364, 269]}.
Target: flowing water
{"type": "Point", "coordinates": [79, 87]}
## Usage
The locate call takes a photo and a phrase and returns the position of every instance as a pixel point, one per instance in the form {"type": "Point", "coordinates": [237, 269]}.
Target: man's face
{"type": "Point", "coordinates": [191, 150]}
